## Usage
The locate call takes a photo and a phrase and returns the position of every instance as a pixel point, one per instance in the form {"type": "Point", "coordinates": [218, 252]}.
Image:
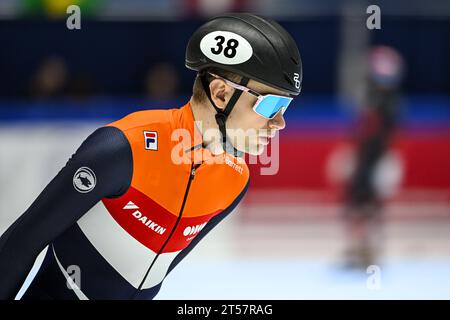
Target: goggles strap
{"type": "Point", "coordinates": [222, 115]}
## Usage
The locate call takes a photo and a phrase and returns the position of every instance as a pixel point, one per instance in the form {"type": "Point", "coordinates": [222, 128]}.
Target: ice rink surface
{"type": "Point", "coordinates": [304, 261]}
{"type": "Point", "coordinates": [306, 279]}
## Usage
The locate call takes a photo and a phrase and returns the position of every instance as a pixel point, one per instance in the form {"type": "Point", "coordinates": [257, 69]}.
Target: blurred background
{"type": "Point", "coordinates": [360, 206]}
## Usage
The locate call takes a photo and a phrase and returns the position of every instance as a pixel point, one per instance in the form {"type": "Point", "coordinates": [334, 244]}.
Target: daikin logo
{"type": "Point", "coordinates": [131, 205]}
{"type": "Point", "coordinates": [143, 219]}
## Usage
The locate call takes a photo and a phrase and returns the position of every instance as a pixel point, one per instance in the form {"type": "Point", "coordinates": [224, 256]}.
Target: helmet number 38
{"type": "Point", "coordinates": [230, 49]}
{"type": "Point", "coordinates": [226, 47]}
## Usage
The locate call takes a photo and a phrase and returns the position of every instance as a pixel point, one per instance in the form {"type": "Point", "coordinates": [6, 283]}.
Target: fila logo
{"type": "Point", "coordinates": [143, 219]}
{"type": "Point", "coordinates": [151, 140]}
{"type": "Point", "coordinates": [192, 230]}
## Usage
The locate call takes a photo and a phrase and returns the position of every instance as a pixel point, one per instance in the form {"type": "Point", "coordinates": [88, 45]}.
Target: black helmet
{"type": "Point", "coordinates": [248, 45]}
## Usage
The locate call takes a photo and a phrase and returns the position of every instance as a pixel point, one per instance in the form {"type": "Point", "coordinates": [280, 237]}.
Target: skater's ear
{"type": "Point", "coordinates": [220, 93]}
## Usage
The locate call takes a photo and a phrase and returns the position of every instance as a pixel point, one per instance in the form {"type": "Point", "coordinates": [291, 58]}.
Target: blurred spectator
{"type": "Point", "coordinates": [365, 192]}
{"type": "Point", "coordinates": [50, 79]}
{"type": "Point", "coordinates": [162, 82]}
{"type": "Point", "coordinates": [81, 86]}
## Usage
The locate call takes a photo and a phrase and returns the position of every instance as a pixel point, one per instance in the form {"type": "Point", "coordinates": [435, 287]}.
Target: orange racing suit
{"type": "Point", "coordinates": [128, 206]}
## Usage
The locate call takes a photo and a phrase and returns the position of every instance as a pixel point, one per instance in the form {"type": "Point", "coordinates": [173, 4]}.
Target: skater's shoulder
{"type": "Point", "coordinates": [144, 118]}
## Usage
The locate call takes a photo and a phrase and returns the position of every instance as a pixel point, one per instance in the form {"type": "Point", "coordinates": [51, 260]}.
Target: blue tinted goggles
{"type": "Point", "coordinates": [267, 105]}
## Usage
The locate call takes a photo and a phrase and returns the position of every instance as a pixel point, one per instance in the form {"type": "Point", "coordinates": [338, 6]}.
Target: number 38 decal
{"type": "Point", "coordinates": [226, 47]}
